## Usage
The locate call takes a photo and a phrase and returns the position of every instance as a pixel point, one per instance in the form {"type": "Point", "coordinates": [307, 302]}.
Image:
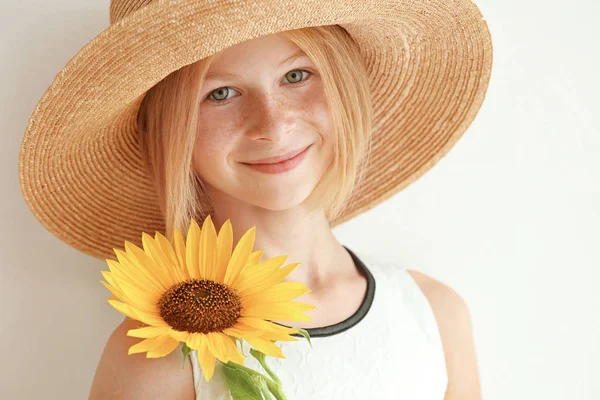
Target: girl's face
{"type": "Point", "coordinates": [262, 98]}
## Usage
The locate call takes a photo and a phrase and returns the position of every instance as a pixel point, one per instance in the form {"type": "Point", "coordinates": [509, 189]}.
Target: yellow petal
{"type": "Point", "coordinates": [271, 330]}
{"type": "Point", "coordinates": [153, 251]}
{"type": "Point", "coordinates": [265, 346]}
{"type": "Point", "coordinates": [147, 278]}
{"type": "Point", "coordinates": [134, 313]}
{"type": "Point", "coordinates": [240, 255]}
{"type": "Point", "coordinates": [124, 309]}
{"type": "Point", "coordinates": [179, 335]}
{"type": "Point", "coordinates": [255, 257]}
{"type": "Point", "coordinates": [191, 250]}
{"type": "Point", "coordinates": [241, 330]}
{"type": "Point", "coordinates": [224, 246]}
{"type": "Point", "coordinates": [223, 347]}
{"type": "Point", "coordinates": [234, 353]}
{"type": "Point", "coordinates": [144, 301]}
{"type": "Point", "coordinates": [179, 243]}
{"type": "Point", "coordinates": [267, 326]}
{"type": "Point", "coordinates": [110, 277]}
{"type": "Point", "coordinates": [216, 346]}
{"type": "Point", "coordinates": [125, 271]}
{"type": "Point", "coordinates": [116, 294]}
{"type": "Point", "coordinates": [278, 293]}
{"type": "Point", "coordinates": [208, 250]}
{"type": "Point", "coordinates": [166, 347]}
{"type": "Point", "coordinates": [195, 341]}
{"type": "Point", "coordinates": [165, 246]}
{"type": "Point", "coordinates": [146, 345]}
{"type": "Point", "coordinates": [262, 276]}
{"type": "Point", "coordinates": [139, 257]}
{"type": "Point", "coordinates": [130, 290]}
{"type": "Point", "coordinates": [148, 331]}
{"type": "Point", "coordinates": [292, 311]}
{"type": "Point", "coordinates": [265, 268]}
{"type": "Point", "coordinates": [282, 273]}
{"type": "Point", "coordinates": [115, 282]}
{"type": "Point", "coordinates": [207, 361]}
{"type": "Point", "coordinates": [258, 272]}
{"type": "Point", "coordinates": [180, 273]}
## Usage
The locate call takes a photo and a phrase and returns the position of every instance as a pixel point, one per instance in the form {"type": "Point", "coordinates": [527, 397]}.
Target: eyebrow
{"type": "Point", "coordinates": [292, 58]}
{"type": "Point", "coordinates": [227, 75]}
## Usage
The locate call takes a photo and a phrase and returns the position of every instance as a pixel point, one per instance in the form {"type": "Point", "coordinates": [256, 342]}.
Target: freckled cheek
{"type": "Point", "coordinates": [318, 114]}
{"type": "Point", "coordinates": [217, 135]}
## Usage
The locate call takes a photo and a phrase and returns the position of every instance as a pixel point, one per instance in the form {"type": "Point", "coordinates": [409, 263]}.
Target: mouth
{"type": "Point", "coordinates": [274, 160]}
{"type": "Point", "coordinates": [288, 163]}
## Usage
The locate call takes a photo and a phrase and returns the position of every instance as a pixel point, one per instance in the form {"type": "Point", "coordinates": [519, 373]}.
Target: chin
{"type": "Point", "coordinates": [278, 200]}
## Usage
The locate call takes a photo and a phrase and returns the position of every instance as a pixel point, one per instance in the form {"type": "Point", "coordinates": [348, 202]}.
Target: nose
{"type": "Point", "coordinates": [271, 118]}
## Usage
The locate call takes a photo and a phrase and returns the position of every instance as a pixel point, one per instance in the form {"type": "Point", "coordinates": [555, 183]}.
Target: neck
{"type": "Point", "coordinates": [304, 237]}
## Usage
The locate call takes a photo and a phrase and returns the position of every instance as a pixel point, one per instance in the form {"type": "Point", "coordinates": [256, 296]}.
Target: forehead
{"type": "Point", "coordinates": [272, 49]}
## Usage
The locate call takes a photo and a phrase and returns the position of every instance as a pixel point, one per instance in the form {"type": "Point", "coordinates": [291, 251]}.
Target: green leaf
{"type": "Point", "coordinates": [241, 385]}
{"type": "Point", "coordinates": [276, 390]}
{"type": "Point", "coordinates": [259, 378]}
{"type": "Point", "coordinates": [264, 388]}
{"type": "Point", "coordinates": [305, 334]}
{"type": "Point", "coordinates": [274, 385]}
{"type": "Point", "coordinates": [186, 351]}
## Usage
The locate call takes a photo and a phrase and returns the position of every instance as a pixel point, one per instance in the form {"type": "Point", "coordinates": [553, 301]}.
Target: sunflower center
{"type": "Point", "coordinates": [200, 306]}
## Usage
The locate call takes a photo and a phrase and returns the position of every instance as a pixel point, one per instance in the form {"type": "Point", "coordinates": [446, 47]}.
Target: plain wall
{"type": "Point", "coordinates": [509, 218]}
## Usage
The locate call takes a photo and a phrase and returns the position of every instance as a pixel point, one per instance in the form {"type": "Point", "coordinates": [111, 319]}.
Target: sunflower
{"type": "Point", "coordinates": [198, 292]}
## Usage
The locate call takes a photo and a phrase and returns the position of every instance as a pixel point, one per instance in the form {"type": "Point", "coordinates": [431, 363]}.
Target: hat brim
{"type": "Point", "coordinates": [81, 170]}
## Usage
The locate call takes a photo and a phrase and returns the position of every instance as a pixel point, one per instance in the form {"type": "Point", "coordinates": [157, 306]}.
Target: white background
{"type": "Point", "coordinates": [510, 218]}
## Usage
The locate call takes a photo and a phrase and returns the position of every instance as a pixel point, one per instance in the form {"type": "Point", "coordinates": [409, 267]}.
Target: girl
{"type": "Point", "coordinates": [292, 118]}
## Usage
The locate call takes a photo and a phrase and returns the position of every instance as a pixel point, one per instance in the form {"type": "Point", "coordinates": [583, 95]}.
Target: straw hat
{"type": "Point", "coordinates": [80, 167]}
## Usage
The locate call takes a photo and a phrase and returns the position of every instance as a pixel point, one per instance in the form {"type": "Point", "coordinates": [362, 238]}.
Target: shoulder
{"type": "Point", "coordinates": [454, 322]}
{"type": "Point", "coordinates": [122, 376]}
{"type": "Point", "coordinates": [441, 296]}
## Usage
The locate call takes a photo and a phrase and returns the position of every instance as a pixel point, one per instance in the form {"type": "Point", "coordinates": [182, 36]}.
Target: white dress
{"type": "Point", "coordinates": [389, 349]}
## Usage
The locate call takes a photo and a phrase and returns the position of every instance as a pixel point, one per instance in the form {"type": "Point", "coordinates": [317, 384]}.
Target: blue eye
{"type": "Point", "coordinates": [220, 95]}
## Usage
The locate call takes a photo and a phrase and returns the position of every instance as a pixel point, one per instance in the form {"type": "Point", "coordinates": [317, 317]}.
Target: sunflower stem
{"type": "Point", "coordinates": [275, 384]}
{"type": "Point", "coordinates": [260, 357]}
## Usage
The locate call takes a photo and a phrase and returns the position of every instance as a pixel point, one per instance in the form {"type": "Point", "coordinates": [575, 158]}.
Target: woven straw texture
{"type": "Point", "coordinates": [81, 170]}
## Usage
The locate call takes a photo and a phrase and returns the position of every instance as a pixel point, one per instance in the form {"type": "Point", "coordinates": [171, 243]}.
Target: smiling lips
{"type": "Point", "coordinates": [273, 160]}
{"type": "Point", "coordinates": [276, 165]}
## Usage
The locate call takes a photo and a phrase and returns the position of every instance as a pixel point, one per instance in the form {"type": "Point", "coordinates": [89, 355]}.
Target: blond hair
{"type": "Point", "coordinates": [168, 119]}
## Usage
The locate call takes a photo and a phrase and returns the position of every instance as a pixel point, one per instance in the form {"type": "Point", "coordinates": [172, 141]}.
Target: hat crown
{"type": "Point", "coordinates": [122, 8]}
